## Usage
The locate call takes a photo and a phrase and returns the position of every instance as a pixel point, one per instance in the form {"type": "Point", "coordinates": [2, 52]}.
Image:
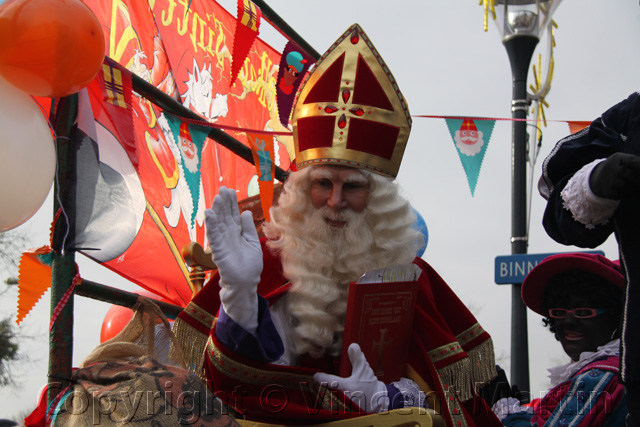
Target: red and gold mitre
{"type": "Point", "coordinates": [350, 111]}
{"type": "Point", "coordinates": [184, 131]}
{"type": "Point", "coordinates": [468, 124]}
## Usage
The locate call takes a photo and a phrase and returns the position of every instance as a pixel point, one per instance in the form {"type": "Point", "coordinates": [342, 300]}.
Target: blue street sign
{"type": "Point", "coordinates": [512, 269]}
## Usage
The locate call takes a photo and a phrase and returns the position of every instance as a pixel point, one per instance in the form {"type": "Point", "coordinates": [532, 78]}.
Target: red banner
{"type": "Point", "coordinates": [186, 54]}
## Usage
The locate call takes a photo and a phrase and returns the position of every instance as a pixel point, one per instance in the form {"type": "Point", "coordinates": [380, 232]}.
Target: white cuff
{"type": "Point", "coordinates": [241, 305]}
{"type": "Point", "coordinates": [411, 393]}
{"type": "Point", "coordinates": [586, 207]}
{"type": "Point", "coordinates": [507, 406]}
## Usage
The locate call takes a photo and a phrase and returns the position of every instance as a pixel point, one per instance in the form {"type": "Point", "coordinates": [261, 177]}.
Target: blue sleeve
{"type": "Point", "coordinates": [587, 393]}
{"type": "Point", "coordinates": [521, 419]}
{"type": "Point", "coordinates": [265, 347]}
{"type": "Point", "coordinates": [396, 399]}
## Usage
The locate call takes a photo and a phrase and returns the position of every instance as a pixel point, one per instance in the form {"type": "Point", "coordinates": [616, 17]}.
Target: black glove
{"type": "Point", "coordinates": [497, 388]}
{"type": "Point", "coordinates": [523, 397]}
{"type": "Point", "coordinates": [616, 177]}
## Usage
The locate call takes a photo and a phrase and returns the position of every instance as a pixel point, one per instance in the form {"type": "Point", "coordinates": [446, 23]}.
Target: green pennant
{"type": "Point", "coordinates": [471, 139]}
{"type": "Point", "coordinates": [190, 141]}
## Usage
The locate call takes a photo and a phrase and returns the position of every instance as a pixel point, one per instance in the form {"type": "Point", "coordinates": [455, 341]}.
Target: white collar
{"type": "Point", "coordinates": [562, 373]}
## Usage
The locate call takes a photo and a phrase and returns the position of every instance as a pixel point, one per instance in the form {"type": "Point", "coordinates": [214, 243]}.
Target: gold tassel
{"type": "Point", "coordinates": [467, 374]}
{"type": "Point", "coordinates": [458, 376]}
{"type": "Point", "coordinates": [192, 344]}
{"type": "Point", "coordinates": [483, 363]}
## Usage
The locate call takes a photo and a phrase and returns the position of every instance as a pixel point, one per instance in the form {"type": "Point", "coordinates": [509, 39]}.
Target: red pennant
{"type": "Point", "coordinates": [247, 29]}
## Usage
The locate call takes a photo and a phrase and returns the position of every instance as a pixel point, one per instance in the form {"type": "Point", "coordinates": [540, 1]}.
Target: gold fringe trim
{"type": "Point", "coordinates": [192, 344]}
{"type": "Point", "coordinates": [468, 374]}
{"type": "Point", "coordinates": [483, 363]}
{"type": "Point", "coordinates": [458, 376]}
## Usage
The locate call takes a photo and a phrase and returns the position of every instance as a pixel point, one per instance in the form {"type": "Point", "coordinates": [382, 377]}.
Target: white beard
{"type": "Point", "coordinates": [193, 164]}
{"type": "Point", "coordinates": [320, 261]}
{"type": "Point", "coordinates": [321, 276]}
{"type": "Point", "coordinates": [469, 149]}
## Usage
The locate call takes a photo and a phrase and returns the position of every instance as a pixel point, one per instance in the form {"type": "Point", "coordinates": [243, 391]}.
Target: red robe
{"type": "Point", "coordinates": [450, 353]}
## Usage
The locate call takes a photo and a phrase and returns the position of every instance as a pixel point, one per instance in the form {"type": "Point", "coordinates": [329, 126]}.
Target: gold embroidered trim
{"type": "Point", "coordinates": [470, 334]}
{"type": "Point", "coordinates": [261, 377]}
{"type": "Point", "coordinates": [200, 315]}
{"type": "Point", "coordinates": [452, 394]}
{"type": "Point", "coordinates": [445, 351]}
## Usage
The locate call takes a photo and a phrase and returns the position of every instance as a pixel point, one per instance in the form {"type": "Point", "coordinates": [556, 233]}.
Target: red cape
{"type": "Point", "coordinates": [450, 353]}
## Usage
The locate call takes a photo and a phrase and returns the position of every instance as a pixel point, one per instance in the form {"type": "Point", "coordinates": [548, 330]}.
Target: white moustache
{"type": "Point", "coordinates": [468, 139]}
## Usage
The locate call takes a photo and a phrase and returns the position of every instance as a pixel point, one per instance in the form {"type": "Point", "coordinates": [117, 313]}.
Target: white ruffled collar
{"type": "Point", "coordinates": [562, 373]}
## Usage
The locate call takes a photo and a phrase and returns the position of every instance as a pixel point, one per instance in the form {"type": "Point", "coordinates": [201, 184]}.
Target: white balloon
{"type": "Point", "coordinates": [27, 157]}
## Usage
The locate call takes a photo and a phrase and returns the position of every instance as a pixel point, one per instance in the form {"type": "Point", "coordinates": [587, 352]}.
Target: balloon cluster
{"type": "Point", "coordinates": [48, 48]}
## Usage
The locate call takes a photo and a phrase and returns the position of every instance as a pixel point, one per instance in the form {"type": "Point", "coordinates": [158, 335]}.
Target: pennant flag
{"type": "Point", "coordinates": [577, 126]}
{"type": "Point", "coordinates": [247, 28]}
{"type": "Point", "coordinates": [190, 141]}
{"type": "Point", "coordinates": [294, 64]}
{"type": "Point", "coordinates": [471, 139]}
{"type": "Point", "coordinates": [263, 156]}
{"type": "Point", "coordinates": [34, 278]}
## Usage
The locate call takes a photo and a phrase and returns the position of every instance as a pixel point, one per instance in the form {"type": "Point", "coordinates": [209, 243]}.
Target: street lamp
{"type": "Point", "coordinates": [519, 25]}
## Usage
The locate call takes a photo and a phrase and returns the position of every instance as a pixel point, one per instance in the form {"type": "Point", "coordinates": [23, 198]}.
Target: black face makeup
{"type": "Point", "coordinates": [580, 334]}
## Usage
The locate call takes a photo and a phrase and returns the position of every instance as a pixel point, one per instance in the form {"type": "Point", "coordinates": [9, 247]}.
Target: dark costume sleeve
{"type": "Point", "coordinates": [606, 135]}
{"type": "Point", "coordinates": [265, 346]}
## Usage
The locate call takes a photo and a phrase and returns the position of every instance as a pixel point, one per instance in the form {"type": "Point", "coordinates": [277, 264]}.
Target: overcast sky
{"type": "Point", "coordinates": [445, 64]}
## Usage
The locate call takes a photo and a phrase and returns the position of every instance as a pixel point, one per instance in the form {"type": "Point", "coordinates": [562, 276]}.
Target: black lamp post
{"type": "Point", "coordinates": [520, 35]}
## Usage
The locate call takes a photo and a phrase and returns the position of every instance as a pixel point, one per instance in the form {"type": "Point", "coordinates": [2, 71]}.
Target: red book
{"type": "Point", "coordinates": [379, 318]}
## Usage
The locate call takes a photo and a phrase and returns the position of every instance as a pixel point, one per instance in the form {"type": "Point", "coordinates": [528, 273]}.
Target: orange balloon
{"type": "Point", "coordinates": [49, 48]}
{"type": "Point", "coordinates": [118, 316]}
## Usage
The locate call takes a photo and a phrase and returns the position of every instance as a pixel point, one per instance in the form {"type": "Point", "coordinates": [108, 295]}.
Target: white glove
{"type": "Point", "coordinates": [362, 387]}
{"type": "Point", "coordinates": [508, 406]}
{"type": "Point", "coordinates": [236, 250]}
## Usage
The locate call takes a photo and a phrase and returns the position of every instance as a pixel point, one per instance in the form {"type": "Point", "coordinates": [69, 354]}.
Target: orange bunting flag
{"type": "Point", "coordinates": [247, 29]}
{"type": "Point", "coordinates": [576, 126]}
{"type": "Point", "coordinates": [263, 157]}
{"type": "Point", "coordinates": [34, 278]}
